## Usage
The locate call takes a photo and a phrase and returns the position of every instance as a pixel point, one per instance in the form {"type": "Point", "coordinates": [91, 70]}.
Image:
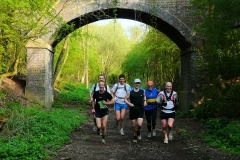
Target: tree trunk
{"type": "Point", "coordinates": [60, 60]}
{"type": "Point", "coordinates": [14, 72]}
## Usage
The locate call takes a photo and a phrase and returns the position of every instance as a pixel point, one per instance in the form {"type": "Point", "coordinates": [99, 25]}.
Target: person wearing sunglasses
{"type": "Point", "coordinates": [136, 100]}
{"type": "Point", "coordinates": [151, 108]}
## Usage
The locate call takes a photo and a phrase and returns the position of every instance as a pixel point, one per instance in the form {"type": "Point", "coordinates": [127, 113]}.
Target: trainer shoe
{"type": "Point", "coordinates": [139, 137]}
{"type": "Point", "coordinates": [116, 124]}
{"type": "Point", "coordinates": [170, 136]}
{"type": "Point", "coordinates": [121, 132]}
{"type": "Point", "coordinates": [165, 141]}
{"type": "Point", "coordinates": [154, 133]}
{"type": "Point", "coordinates": [95, 128]}
{"type": "Point", "coordinates": [103, 141]}
{"type": "Point", "coordinates": [149, 135]}
{"type": "Point", "coordinates": [135, 139]}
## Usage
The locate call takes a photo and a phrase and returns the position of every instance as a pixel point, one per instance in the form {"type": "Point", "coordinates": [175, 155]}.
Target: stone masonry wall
{"type": "Point", "coordinates": [39, 76]}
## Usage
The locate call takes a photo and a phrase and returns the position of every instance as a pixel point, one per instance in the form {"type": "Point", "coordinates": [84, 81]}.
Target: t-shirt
{"type": "Point", "coordinates": [121, 93]}
{"type": "Point", "coordinates": [99, 97]}
{"type": "Point", "coordinates": [170, 103]}
{"type": "Point", "coordinates": [136, 98]}
{"type": "Point", "coordinates": [97, 88]}
{"type": "Point", "coordinates": [151, 96]}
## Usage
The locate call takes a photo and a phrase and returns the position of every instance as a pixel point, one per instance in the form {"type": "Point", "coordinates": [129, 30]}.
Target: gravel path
{"type": "Point", "coordinates": [86, 144]}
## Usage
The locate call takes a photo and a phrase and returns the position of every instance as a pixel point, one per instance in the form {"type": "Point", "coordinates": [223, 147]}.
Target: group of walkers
{"type": "Point", "coordinates": [139, 101]}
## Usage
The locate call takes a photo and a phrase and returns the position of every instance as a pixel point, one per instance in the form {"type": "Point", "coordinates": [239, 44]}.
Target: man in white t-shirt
{"type": "Point", "coordinates": [95, 88]}
{"type": "Point", "coordinates": [119, 92]}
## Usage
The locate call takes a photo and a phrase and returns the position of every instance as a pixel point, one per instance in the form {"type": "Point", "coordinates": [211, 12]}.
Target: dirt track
{"type": "Point", "coordinates": [86, 144]}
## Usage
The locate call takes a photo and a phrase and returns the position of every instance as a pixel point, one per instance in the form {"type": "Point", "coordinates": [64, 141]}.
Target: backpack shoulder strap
{"type": "Point", "coordinates": [95, 86]}
{"type": "Point", "coordinates": [168, 97]}
{"type": "Point", "coordinates": [116, 87]}
{"type": "Point", "coordinates": [106, 88]}
{"type": "Point", "coordinates": [125, 87]}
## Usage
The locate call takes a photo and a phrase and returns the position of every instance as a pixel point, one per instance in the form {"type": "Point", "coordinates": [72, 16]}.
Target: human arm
{"type": "Point", "coordinates": [91, 93]}
{"type": "Point", "coordinates": [113, 90]}
{"type": "Point", "coordinates": [110, 100]}
{"type": "Point", "coordinates": [126, 98]}
{"type": "Point", "coordinates": [144, 99]}
{"type": "Point", "coordinates": [176, 101]}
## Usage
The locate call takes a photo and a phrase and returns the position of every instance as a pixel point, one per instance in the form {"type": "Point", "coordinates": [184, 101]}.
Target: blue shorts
{"type": "Point", "coordinates": [118, 106]}
{"type": "Point", "coordinates": [101, 113]}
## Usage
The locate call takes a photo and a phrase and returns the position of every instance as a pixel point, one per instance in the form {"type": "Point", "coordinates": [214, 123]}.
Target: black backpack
{"type": "Point", "coordinates": [95, 86]}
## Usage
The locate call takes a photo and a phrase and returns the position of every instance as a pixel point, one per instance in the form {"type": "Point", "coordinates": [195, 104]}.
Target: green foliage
{"type": "Point", "coordinates": [224, 134]}
{"type": "Point", "coordinates": [222, 102]}
{"type": "Point", "coordinates": [73, 93]}
{"type": "Point", "coordinates": [106, 53]}
{"type": "Point", "coordinates": [155, 58]}
{"type": "Point", "coordinates": [18, 23]}
{"type": "Point", "coordinates": [34, 134]}
{"type": "Point", "coordinates": [219, 27]}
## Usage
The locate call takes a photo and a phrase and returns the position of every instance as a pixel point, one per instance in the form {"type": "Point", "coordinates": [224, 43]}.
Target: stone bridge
{"type": "Point", "coordinates": [172, 17]}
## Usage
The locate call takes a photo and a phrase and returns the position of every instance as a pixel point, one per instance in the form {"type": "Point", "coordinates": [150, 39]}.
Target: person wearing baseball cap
{"type": "Point", "coordinates": [137, 103]}
{"type": "Point", "coordinates": [151, 108]}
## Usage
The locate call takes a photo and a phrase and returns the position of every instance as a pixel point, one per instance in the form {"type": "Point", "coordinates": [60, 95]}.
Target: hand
{"type": "Point", "coordinates": [104, 102]}
{"type": "Point", "coordinates": [145, 103]}
{"type": "Point", "coordinates": [131, 105]}
{"type": "Point", "coordinates": [93, 111]}
{"type": "Point", "coordinates": [176, 107]}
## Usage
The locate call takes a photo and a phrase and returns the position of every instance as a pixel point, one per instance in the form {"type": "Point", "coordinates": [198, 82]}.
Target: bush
{"type": "Point", "coordinates": [222, 102]}
{"type": "Point", "coordinates": [73, 93]}
{"type": "Point", "coordinates": [224, 134]}
{"type": "Point", "coordinates": [31, 133]}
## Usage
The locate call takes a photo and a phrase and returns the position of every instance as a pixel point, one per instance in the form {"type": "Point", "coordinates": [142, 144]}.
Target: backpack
{"type": "Point", "coordinates": [95, 86]}
{"type": "Point", "coordinates": [125, 88]}
{"type": "Point", "coordinates": [169, 98]}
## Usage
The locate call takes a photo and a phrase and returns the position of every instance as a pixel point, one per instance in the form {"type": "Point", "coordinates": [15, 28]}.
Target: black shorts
{"type": "Point", "coordinates": [164, 115]}
{"type": "Point", "coordinates": [101, 113]}
{"type": "Point", "coordinates": [136, 113]}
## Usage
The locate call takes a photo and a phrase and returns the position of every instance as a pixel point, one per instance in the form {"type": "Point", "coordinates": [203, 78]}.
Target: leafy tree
{"type": "Point", "coordinates": [18, 23]}
{"type": "Point", "coordinates": [155, 58]}
{"type": "Point", "coordinates": [219, 28]}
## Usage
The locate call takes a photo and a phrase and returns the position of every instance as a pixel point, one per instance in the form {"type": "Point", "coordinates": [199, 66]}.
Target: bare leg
{"type": "Point", "coordinates": [123, 111]}
{"type": "Point", "coordinates": [164, 127]}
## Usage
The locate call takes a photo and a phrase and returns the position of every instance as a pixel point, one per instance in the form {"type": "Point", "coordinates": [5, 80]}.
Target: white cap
{"type": "Point", "coordinates": [137, 80]}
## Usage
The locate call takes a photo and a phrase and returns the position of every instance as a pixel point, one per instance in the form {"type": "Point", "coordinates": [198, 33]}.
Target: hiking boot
{"type": "Point", "coordinates": [149, 135]}
{"type": "Point", "coordinates": [154, 133]}
{"type": "Point", "coordinates": [103, 141]}
{"type": "Point", "coordinates": [121, 132]}
{"type": "Point", "coordinates": [116, 124]}
{"type": "Point", "coordinates": [135, 139]}
{"type": "Point", "coordinates": [170, 136]}
{"type": "Point", "coordinates": [95, 128]}
{"type": "Point", "coordinates": [165, 141]}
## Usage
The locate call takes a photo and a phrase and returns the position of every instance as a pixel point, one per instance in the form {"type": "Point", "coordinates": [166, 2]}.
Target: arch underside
{"type": "Point", "coordinates": [131, 14]}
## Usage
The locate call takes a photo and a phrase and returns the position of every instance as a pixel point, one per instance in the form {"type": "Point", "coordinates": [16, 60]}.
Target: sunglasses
{"type": "Point", "coordinates": [137, 83]}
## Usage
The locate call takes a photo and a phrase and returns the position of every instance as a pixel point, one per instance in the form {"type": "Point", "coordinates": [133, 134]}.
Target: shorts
{"type": "Point", "coordinates": [136, 113]}
{"type": "Point", "coordinates": [101, 113]}
{"type": "Point", "coordinates": [118, 106]}
{"type": "Point", "coordinates": [164, 115]}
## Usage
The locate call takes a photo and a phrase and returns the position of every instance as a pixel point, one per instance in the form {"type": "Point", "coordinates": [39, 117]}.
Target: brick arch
{"type": "Point", "coordinates": [170, 21]}
{"type": "Point", "coordinates": [170, 25]}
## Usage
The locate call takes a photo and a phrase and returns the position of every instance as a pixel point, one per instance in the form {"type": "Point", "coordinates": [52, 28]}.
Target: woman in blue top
{"type": "Point", "coordinates": [151, 108]}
